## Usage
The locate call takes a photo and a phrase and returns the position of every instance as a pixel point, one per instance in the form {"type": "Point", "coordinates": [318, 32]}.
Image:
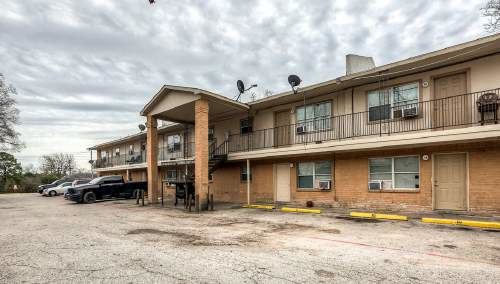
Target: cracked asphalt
{"type": "Point", "coordinates": [53, 240]}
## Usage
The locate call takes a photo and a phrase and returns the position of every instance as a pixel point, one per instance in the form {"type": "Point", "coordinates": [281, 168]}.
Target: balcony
{"type": "Point", "coordinates": [176, 151]}
{"type": "Point", "coordinates": [452, 112]}
{"type": "Point", "coordinates": [120, 160]}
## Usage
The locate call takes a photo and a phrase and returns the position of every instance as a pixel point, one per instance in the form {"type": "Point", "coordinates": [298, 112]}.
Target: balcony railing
{"type": "Point", "coordinates": [120, 160]}
{"type": "Point", "coordinates": [176, 151]}
{"type": "Point", "coordinates": [440, 114]}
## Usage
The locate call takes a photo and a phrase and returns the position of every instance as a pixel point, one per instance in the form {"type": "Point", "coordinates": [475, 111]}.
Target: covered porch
{"type": "Point", "coordinates": [189, 106]}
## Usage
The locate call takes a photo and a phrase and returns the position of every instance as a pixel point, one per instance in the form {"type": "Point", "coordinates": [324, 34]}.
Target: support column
{"type": "Point", "coordinates": [152, 159]}
{"type": "Point", "coordinates": [248, 182]}
{"type": "Point", "coordinates": [201, 152]}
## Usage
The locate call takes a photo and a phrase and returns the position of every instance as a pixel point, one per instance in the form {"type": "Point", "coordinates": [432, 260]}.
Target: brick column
{"type": "Point", "coordinates": [201, 152]}
{"type": "Point", "coordinates": [152, 159]}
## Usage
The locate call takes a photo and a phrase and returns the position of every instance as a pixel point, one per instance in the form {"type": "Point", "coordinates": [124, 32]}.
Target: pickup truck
{"type": "Point", "coordinates": [106, 186]}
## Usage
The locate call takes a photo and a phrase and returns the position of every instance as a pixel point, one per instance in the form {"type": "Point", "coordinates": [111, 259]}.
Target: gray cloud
{"type": "Point", "coordinates": [83, 69]}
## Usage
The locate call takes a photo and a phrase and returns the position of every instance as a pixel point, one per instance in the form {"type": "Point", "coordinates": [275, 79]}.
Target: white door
{"type": "Point", "coordinates": [283, 182]}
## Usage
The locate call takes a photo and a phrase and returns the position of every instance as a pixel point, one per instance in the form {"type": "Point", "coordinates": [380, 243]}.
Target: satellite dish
{"type": "Point", "coordinates": [142, 127]}
{"type": "Point", "coordinates": [241, 86]}
{"type": "Point", "coordinates": [91, 161]}
{"type": "Point", "coordinates": [294, 81]}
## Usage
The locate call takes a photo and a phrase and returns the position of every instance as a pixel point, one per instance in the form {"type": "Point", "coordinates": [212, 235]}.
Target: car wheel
{"type": "Point", "coordinates": [52, 193]}
{"type": "Point", "coordinates": [89, 197]}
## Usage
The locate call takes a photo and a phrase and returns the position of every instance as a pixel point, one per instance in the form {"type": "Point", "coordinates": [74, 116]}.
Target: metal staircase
{"type": "Point", "coordinates": [217, 156]}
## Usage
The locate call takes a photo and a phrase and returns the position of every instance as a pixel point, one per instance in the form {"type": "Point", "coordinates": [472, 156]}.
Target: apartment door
{"type": "Point", "coordinates": [282, 128]}
{"type": "Point", "coordinates": [283, 182]}
{"type": "Point", "coordinates": [452, 108]}
{"type": "Point", "coordinates": [450, 181]}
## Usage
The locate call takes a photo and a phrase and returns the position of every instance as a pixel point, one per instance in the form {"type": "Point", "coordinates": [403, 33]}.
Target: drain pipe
{"type": "Point", "coordinates": [248, 181]}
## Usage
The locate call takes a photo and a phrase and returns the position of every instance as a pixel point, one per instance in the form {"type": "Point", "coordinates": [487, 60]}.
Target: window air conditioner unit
{"type": "Point", "coordinates": [375, 185]}
{"type": "Point", "coordinates": [324, 184]}
{"type": "Point", "coordinates": [301, 129]}
{"type": "Point", "coordinates": [397, 113]}
{"type": "Point", "coordinates": [410, 112]}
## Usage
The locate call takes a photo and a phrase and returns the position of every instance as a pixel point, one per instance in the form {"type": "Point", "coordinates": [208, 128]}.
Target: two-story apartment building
{"type": "Point", "coordinates": [418, 134]}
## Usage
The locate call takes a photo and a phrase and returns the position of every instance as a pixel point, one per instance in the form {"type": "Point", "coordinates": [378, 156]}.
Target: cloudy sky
{"type": "Point", "coordinates": [84, 69]}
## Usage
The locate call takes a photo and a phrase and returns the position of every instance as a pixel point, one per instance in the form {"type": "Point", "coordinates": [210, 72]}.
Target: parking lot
{"type": "Point", "coordinates": [46, 239]}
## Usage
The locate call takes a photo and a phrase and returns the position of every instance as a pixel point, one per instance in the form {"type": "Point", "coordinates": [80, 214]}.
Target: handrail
{"type": "Point", "coordinates": [454, 111]}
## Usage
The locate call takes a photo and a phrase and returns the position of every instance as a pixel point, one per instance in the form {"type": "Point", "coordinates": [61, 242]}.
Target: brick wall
{"type": "Point", "coordinates": [484, 180]}
{"type": "Point", "coordinates": [227, 186]}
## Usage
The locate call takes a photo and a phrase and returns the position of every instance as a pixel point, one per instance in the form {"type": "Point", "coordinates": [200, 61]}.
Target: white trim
{"type": "Point", "coordinates": [393, 174]}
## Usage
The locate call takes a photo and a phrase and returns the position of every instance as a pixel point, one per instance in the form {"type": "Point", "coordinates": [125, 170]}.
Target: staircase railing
{"type": "Point", "coordinates": [222, 149]}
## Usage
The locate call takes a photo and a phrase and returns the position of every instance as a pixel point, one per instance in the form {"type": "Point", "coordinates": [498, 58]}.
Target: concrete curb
{"type": "Point", "coordinates": [469, 223]}
{"type": "Point", "coordinates": [378, 216]}
{"type": "Point", "coordinates": [300, 210]}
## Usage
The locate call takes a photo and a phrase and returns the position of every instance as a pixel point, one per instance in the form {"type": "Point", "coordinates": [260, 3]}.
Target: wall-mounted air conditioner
{"type": "Point", "coordinates": [410, 112]}
{"type": "Point", "coordinates": [301, 129]}
{"type": "Point", "coordinates": [397, 113]}
{"type": "Point", "coordinates": [380, 184]}
{"type": "Point", "coordinates": [375, 185]}
{"type": "Point", "coordinates": [325, 184]}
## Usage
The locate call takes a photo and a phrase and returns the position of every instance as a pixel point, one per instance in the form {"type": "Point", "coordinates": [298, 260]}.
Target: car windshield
{"type": "Point", "coordinates": [65, 184]}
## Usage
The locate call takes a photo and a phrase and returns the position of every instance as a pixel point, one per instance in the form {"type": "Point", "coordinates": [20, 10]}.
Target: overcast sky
{"type": "Point", "coordinates": [84, 69]}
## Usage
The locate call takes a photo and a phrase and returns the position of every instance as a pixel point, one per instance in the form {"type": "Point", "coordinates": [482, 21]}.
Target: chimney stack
{"type": "Point", "coordinates": [357, 63]}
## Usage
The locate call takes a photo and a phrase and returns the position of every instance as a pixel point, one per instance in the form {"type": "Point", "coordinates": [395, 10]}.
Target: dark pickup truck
{"type": "Point", "coordinates": [106, 186]}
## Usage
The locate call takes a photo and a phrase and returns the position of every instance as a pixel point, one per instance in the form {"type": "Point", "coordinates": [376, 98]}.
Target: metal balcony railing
{"type": "Point", "coordinates": [120, 160]}
{"type": "Point", "coordinates": [457, 111]}
{"type": "Point", "coordinates": [176, 151]}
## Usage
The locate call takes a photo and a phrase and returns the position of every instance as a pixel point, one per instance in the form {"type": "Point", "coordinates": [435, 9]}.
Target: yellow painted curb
{"type": "Point", "coordinates": [256, 206]}
{"type": "Point", "coordinates": [300, 210]}
{"type": "Point", "coordinates": [470, 223]}
{"type": "Point", "coordinates": [379, 216]}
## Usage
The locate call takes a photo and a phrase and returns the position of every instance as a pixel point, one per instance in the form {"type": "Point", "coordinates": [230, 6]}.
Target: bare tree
{"type": "Point", "coordinates": [492, 12]}
{"type": "Point", "coordinates": [58, 164]}
{"type": "Point", "coordinates": [9, 117]}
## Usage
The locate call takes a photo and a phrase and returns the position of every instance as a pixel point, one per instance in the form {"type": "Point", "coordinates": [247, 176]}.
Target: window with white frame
{"type": "Point", "coordinates": [173, 143]}
{"type": "Point", "coordinates": [387, 103]}
{"type": "Point", "coordinates": [117, 152]}
{"type": "Point", "coordinates": [171, 175]}
{"type": "Point", "coordinates": [314, 117]}
{"type": "Point", "coordinates": [396, 172]}
{"type": "Point", "coordinates": [309, 173]}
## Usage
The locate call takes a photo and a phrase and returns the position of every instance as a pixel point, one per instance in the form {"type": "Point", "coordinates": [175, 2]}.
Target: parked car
{"type": "Point", "coordinates": [49, 185]}
{"type": "Point", "coordinates": [76, 182]}
{"type": "Point", "coordinates": [53, 191]}
{"type": "Point", "coordinates": [106, 186]}
{"type": "Point", "coordinates": [80, 181]}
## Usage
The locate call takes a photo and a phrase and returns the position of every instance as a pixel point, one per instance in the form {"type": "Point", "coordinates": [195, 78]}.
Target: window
{"type": "Point", "coordinates": [386, 103]}
{"type": "Point", "coordinates": [243, 172]}
{"type": "Point", "coordinates": [309, 173]}
{"type": "Point", "coordinates": [117, 152]}
{"type": "Point", "coordinates": [131, 149]}
{"type": "Point", "coordinates": [395, 172]}
{"type": "Point", "coordinates": [211, 136]}
{"type": "Point", "coordinates": [246, 126]}
{"type": "Point", "coordinates": [171, 175]}
{"type": "Point", "coordinates": [173, 143]}
{"type": "Point", "coordinates": [315, 116]}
